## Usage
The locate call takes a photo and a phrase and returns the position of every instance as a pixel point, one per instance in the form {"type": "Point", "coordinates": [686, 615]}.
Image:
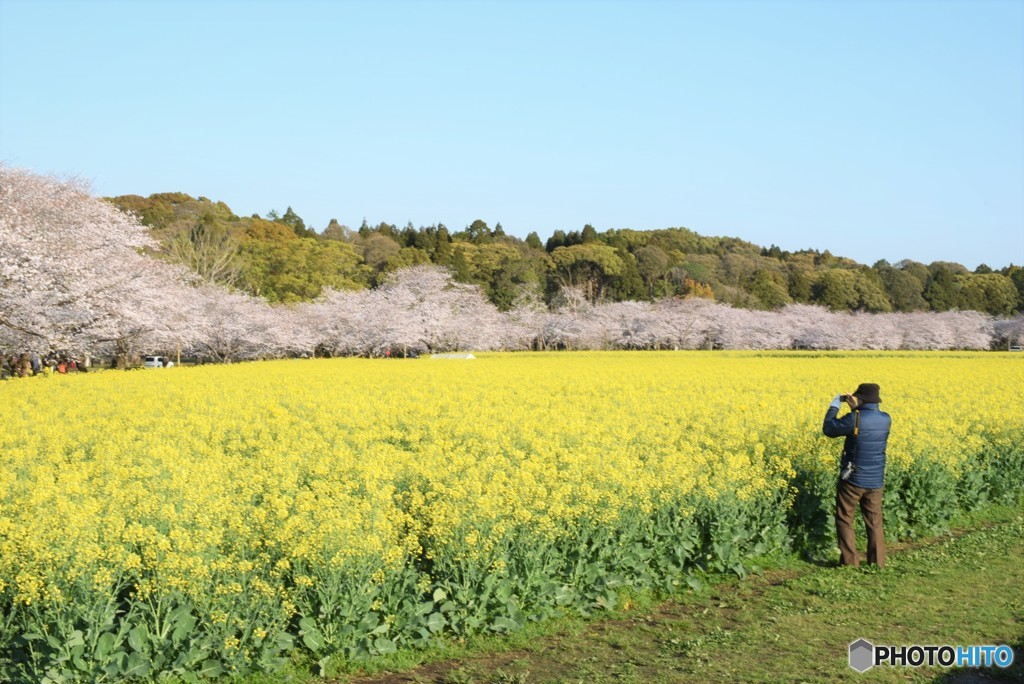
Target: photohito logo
{"type": "Point", "coordinates": [864, 655]}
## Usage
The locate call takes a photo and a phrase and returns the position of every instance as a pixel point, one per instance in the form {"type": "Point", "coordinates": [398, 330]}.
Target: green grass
{"type": "Point", "coordinates": [790, 624]}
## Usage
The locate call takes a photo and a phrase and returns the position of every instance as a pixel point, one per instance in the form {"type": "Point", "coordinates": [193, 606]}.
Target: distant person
{"type": "Point", "coordinates": [861, 470]}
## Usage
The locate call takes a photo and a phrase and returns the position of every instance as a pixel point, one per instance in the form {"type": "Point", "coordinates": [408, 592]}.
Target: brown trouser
{"type": "Point", "coordinates": [870, 500]}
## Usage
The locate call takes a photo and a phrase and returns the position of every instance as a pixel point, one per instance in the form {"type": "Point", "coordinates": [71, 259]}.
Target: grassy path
{"type": "Point", "coordinates": [788, 625]}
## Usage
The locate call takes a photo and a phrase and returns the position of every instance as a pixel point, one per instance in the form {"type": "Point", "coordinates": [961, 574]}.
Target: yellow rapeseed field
{"type": "Point", "coordinates": [238, 513]}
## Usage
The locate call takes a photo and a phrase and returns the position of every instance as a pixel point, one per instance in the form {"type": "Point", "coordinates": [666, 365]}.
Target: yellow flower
{"type": "Point", "coordinates": [247, 485]}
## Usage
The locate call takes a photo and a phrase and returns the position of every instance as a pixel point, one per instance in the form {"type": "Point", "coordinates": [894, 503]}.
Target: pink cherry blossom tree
{"type": "Point", "coordinates": [522, 325]}
{"type": "Point", "coordinates": [418, 309]}
{"type": "Point", "coordinates": [1010, 332]}
{"type": "Point", "coordinates": [690, 323]}
{"type": "Point", "coordinates": [230, 326]}
{"type": "Point", "coordinates": [72, 275]}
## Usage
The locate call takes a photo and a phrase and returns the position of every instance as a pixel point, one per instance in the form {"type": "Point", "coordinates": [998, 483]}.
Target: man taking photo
{"type": "Point", "coordinates": [862, 470]}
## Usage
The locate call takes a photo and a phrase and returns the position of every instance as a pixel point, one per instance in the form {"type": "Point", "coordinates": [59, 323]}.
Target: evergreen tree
{"type": "Point", "coordinates": [771, 288]}
{"type": "Point", "coordinates": [295, 222]}
{"type": "Point", "coordinates": [460, 266]}
{"type": "Point", "coordinates": [942, 292]}
{"type": "Point", "coordinates": [905, 291]}
{"type": "Point", "coordinates": [444, 246]}
{"type": "Point", "coordinates": [408, 236]}
{"type": "Point", "coordinates": [477, 232]}
{"type": "Point", "coordinates": [556, 240]}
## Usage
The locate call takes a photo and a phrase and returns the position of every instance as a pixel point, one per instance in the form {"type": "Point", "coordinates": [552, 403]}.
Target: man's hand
{"type": "Point", "coordinates": [837, 402]}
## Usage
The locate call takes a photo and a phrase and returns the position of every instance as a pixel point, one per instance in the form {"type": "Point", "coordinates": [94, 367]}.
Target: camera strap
{"type": "Point", "coordinates": [856, 446]}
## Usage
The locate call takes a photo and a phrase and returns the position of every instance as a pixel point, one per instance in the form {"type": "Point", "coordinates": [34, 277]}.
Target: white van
{"type": "Point", "coordinates": [154, 361]}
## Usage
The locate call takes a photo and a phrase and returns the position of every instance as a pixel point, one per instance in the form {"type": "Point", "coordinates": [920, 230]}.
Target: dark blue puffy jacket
{"type": "Point", "coordinates": [867, 448]}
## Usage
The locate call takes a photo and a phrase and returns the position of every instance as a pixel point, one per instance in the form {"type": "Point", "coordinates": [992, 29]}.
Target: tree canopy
{"type": "Point", "coordinates": [79, 276]}
{"type": "Point", "coordinates": [282, 259]}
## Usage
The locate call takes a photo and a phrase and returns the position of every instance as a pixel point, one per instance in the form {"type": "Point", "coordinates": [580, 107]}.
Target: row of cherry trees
{"type": "Point", "coordinates": [75, 277]}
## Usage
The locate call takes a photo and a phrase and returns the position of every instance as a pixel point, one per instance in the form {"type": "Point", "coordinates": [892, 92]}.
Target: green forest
{"type": "Point", "coordinates": [279, 258]}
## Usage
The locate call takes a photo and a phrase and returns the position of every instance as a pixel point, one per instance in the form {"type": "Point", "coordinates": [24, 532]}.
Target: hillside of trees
{"type": "Point", "coordinates": [80, 278]}
{"type": "Point", "coordinates": [279, 258]}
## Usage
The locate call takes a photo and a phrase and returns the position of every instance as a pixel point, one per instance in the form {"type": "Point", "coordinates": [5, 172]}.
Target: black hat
{"type": "Point", "coordinates": [867, 393]}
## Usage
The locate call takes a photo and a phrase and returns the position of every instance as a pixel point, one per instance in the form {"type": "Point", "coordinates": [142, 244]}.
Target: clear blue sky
{"type": "Point", "coordinates": [876, 130]}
